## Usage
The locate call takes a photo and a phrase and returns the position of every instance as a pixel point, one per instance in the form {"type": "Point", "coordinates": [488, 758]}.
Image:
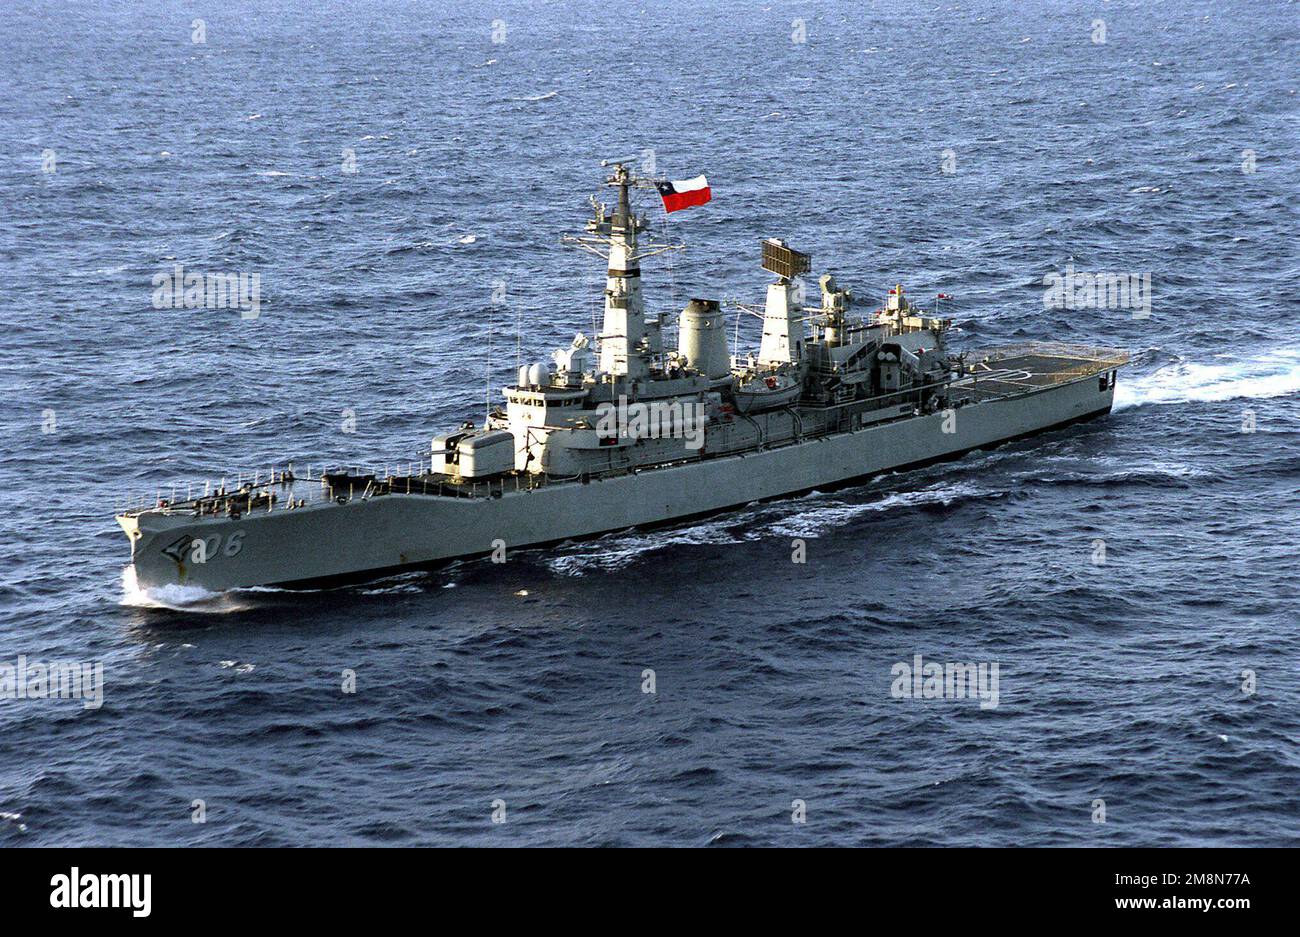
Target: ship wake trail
{"type": "Point", "coordinates": [1276, 374]}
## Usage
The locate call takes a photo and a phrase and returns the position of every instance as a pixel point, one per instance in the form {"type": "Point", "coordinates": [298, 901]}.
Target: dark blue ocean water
{"type": "Point", "coordinates": [523, 683]}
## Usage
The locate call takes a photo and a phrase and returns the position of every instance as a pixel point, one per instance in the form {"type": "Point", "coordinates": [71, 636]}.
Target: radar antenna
{"type": "Point", "coordinates": [784, 261]}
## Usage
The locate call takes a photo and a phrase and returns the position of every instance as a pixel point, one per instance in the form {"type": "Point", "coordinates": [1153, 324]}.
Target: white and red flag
{"type": "Point", "coordinates": [684, 194]}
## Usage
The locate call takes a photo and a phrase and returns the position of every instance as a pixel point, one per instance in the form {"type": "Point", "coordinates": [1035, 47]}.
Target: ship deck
{"type": "Point", "coordinates": [1007, 372]}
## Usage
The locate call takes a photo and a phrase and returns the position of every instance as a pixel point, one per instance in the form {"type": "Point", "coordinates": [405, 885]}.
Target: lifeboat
{"type": "Point", "coordinates": [766, 392]}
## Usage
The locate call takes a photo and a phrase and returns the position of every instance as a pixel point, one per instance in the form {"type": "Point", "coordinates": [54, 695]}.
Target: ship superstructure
{"type": "Point", "coordinates": [816, 371]}
{"type": "Point", "coordinates": [620, 430]}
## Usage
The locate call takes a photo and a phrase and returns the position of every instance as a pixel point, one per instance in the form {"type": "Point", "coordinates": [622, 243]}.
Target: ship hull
{"type": "Point", "coordinates": [363, 538]}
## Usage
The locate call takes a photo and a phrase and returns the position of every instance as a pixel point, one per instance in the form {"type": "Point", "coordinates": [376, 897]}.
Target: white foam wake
{"type": "Point", "coordinates": [1274, 374]}
{"type": "Point", "coordinates": [813, 515]}
{"type": "Point", "coordinates": [175, 597]}
{"type": "Point", "coordinates": [816, 521]}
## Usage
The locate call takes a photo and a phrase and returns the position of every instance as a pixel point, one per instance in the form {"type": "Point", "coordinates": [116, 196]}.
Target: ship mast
{"type": "Point", "coordinates": [624, 356]}
{"type": "Point", "coordinates": [624, 327]}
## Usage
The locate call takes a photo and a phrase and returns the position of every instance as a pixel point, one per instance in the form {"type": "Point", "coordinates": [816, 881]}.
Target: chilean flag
{"type": "Point", "coordinates": [679, 195]}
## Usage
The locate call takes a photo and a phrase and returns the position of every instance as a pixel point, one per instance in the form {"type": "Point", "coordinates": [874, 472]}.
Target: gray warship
{"type": "Point", "coordinates": [624, 431]}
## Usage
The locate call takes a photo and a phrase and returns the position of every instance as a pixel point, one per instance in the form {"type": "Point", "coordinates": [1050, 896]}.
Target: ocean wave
{"type": "Point", "coordinates": [619, 550]}
{"type": "Point", "coordinates": [820, 520]}
{"type": "Point", "coordinates": [1158, 473]}
{"type": "Point", "coordinates": [811, 516]}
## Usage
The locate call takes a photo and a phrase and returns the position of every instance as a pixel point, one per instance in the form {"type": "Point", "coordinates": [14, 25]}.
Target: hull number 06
{"type": "Point", "coordinates": [203, 549]}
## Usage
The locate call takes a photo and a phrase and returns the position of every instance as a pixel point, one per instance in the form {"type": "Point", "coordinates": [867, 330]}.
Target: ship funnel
{"type": "Point", "coordinates": [702, 338]}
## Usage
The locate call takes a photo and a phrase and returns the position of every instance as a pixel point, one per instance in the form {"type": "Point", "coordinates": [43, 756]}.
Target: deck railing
{"type": "Point", "coordinates": [1094, 354]}
{"type": "Point", "coordinates": [284, 490]}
